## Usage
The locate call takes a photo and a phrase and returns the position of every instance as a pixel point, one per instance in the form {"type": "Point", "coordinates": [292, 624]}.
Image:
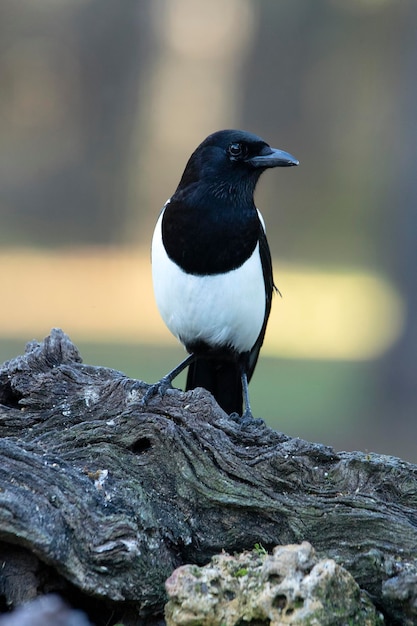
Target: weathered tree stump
{"type": "Point", "coordinates": [102, 497]}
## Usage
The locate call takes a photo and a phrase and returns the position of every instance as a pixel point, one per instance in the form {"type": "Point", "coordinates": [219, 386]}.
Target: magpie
{"type": "Point", "coordinates": [211, 266]}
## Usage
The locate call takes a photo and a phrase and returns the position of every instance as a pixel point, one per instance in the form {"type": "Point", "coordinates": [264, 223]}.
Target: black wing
{"type": "Point", "coordinates": [269, 289]}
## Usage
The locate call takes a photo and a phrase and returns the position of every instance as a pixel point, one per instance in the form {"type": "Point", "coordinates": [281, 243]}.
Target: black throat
{"type": "Point", "coordinates": [210, 230]}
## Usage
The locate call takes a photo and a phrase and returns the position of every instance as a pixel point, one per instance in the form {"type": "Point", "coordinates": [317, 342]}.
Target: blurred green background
{"type": "Point", "coordinates": [102, 102]}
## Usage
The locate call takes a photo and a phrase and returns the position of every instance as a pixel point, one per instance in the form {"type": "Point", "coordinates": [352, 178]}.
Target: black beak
{"type": "Point", "coordinates": [271, 157]}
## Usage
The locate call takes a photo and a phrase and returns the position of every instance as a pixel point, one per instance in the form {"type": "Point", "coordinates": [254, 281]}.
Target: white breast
{"type": "Point", "coordinates": [221, 309]}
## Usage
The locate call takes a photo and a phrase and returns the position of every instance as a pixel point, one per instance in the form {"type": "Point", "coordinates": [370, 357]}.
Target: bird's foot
{"type": "Point", "coordinates": [246, 420]}
{"type": "Point", "coordinates": [160, 388]}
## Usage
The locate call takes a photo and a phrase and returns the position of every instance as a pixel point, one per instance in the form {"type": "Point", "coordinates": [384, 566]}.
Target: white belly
{"type": "Point", "coordinates": [221, 309]}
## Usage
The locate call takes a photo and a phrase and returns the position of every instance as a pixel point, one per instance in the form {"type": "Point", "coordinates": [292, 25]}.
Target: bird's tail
{"type": "Point", "coordinates": [221, 378]}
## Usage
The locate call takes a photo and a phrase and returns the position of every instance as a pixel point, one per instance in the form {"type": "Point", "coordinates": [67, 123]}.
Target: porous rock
{"type": "Point", "coordinates": [290, 586]}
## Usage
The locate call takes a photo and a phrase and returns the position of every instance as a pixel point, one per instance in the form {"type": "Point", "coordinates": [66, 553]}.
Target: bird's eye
{"type": "Point", "coordinates": [237, 150]}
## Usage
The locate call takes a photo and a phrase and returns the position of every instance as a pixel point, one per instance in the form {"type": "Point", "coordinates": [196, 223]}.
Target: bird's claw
{"type": "Point", "coordinates": [160, 388]}
{"type": "Point", "coordinates": [246, 420]}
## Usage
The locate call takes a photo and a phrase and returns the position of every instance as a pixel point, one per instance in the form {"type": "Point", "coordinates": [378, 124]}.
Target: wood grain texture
{"type": "Point", "coordinates": [111, 495]}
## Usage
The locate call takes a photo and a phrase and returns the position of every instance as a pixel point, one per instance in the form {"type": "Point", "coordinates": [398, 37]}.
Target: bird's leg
{"type": "Point", "coordinates": [247, 413]}
{"type": "Point", "coordinates": [247, 420]}
{"type": "Point", "coordinates": [165, 383]}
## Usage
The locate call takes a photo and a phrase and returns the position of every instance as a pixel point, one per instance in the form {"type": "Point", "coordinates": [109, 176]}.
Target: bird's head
{"type": "Point", "coordinates": [232, 159]}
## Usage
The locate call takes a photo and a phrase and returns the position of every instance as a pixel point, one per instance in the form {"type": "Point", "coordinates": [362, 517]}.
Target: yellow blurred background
{"type": "Point", "coordinates": [101, 104]}
{"type": "Point", "coordinates": [97, 294]}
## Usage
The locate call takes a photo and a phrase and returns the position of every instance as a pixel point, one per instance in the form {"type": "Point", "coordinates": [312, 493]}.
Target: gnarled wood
{"type": "Point", "coordinates": [111, 496]}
